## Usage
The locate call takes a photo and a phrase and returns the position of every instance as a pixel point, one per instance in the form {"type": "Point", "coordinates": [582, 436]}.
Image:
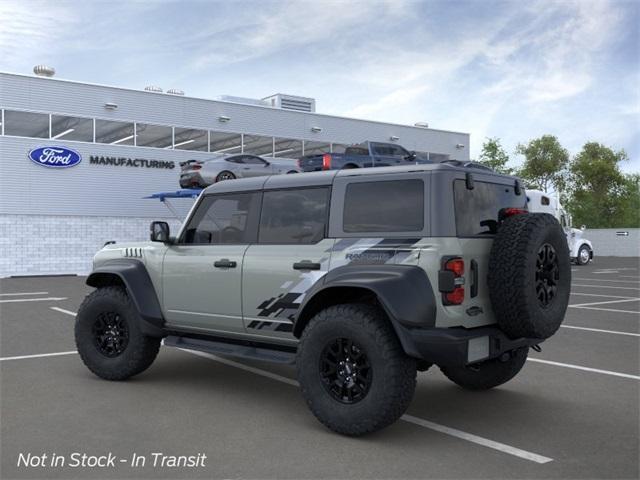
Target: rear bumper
{"type": "Point", "coordinates": [459, 346]}
{"type": "Point", "coordinates": [193, 179]}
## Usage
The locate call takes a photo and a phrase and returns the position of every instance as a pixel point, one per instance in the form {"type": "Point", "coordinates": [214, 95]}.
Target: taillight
{"type": "Point", "coordinates": [196, 167]}
{"type": "Point", "coordinates": [451, 281]}
{"type": "Point", "coordinates": [510, 212]}
{"type": "Point", "coordinates": [326, 161]}
{"type": "Point", "coordinates": [299, 163]}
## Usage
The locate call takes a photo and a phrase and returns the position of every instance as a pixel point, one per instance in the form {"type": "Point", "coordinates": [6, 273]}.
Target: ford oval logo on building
{"type": "Point", "coordinates": [55, 157]}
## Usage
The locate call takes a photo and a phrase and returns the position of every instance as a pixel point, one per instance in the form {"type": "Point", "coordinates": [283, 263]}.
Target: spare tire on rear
{"type": "Point", "coordinates": [529, 275]}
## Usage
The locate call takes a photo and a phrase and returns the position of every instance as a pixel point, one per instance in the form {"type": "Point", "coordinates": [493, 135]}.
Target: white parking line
{"type": "Point", "coordinates": [40, 355]}
{"type": "Point", "coordinates": [604, 280]}
{"type": "Point", "coordinates": [598, 295]}
{"type": "Point", "coordinates": [630, 276]}
{"type": "Point", "coordinates": [586, 369]}
{"type": "Point", "coordinates": [485, 442]}
{"type": "Point", "coordinates": [62, 310]}
{"type": "Point", "coordinates": [606, 286]}
{"type": "Point", "coordinates": [47, 299]}
{"type": "Point", "coordinates": [604, 302]}
{"type": "Point", "coordinates": [23, 293]}
{"type": "Point", "coordinates": [600, 330]}
{"type": "Point", "coordinates": [609, 310]}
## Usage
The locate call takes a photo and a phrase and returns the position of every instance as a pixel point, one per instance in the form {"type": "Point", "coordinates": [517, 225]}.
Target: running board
{"type": "Point", "coordinates": [231, 349]}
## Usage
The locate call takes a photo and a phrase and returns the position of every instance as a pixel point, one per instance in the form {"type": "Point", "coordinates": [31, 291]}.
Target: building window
{"type": "Point", "coordinates": [157, 136]}
{"type": "Point", "coordinates": [114, 133]}
{"type": "Point", "coordinates": [26, 124]}
{"type": "Point", "coordinates": [296, 216]}
{"type": "Point", "coordinates": [190, 139]}
{"type": "Point", "coordinates": [316, 148]}
{"type": "Point", "coordinates": [225, 143]}
{"type": "Point", "coordinates": [258, 145]}
{"type": "Point", "coordinates": [71, 128]}
{"type": "Point", "coordinates": [287, 148]}
{"type": "Point", "coordinates": [384, 206]}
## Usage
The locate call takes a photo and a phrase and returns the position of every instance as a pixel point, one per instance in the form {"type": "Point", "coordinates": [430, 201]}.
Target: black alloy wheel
{"type": "Point", "coordinates": [110, 334]}
{"type": "Point", "coordinates": [345, 371]}
{"type": "Point", "coordinates": [547, 275]}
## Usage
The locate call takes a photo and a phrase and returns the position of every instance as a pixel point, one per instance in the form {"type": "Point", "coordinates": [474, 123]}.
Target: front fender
{"type": "Point", "coordinates": [133, 274]}
{"type": "Point", "coordinates": [404, 291]}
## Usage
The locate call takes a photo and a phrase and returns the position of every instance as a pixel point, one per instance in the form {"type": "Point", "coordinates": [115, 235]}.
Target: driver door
{"type": "Point", "coordinates": [202, 272]}
{"type": "Point", "coordinates": [254, 166]}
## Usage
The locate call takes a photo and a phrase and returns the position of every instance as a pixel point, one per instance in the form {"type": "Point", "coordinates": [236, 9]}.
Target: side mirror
{"type": "Point", "coordinates": [159, 232]}
{"type": "Point", "coordinates": [266, 164]}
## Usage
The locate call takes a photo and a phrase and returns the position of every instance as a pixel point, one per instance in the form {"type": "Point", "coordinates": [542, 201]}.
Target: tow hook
{"type": "Point", "coordinates": [536, 348]}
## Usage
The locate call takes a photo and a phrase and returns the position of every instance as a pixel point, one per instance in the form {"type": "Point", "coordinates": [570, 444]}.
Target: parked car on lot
{"type": "Point", "coordinates": [366, 154]}
{"type": "Point", "coordinates": [580, 249]}
{"type": "Point", "coordinates": [361, 278]}
{"type": "Point", "coordinates": [202, 173]}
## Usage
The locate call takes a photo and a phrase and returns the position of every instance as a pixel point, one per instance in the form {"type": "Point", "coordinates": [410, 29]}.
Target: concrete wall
{"type": "Point", "coordinates": [607, 243]}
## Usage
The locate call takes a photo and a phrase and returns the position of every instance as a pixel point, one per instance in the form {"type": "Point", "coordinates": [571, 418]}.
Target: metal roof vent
{"type": "Point", "coordinates": [421, 124]}
{"type": "Point", "coordinates": [153, 88]}
{"type": "Point", "coordinates": [291, 102]}
{"type": "Point", "coordinates": [44, 71]}
{"type": "Point", "coordinates": [175, 91]}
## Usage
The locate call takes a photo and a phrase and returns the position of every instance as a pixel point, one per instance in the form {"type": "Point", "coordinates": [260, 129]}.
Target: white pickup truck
{"type": "Point", "coordinates": [580, 248]}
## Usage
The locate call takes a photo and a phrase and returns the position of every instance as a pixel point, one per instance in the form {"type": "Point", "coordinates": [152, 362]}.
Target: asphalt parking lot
{"type": "Point", "coordinates": [573, 412]}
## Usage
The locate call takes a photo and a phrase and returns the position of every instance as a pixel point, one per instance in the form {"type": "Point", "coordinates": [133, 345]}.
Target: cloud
{"type": "Point", "coordinates": [31, 28]}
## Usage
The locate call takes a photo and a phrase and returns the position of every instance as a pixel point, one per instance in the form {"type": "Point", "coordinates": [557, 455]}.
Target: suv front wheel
{"type": "Point", "coordinates": [353, 372]}
{"type": "Point", "coordinates": [108, 335]}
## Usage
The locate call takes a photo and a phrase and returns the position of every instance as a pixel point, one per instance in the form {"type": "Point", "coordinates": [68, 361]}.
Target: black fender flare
{"type": "Point", "coordinates": [133, 274]}
{"type": "Point", "coordinates": [404, 291]}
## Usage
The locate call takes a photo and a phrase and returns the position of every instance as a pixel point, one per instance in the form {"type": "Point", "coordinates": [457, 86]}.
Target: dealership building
{"type": "Point", "coordinates": [127, 144]}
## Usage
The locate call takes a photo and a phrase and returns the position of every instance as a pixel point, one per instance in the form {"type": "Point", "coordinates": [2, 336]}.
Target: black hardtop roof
{"type": "Point", "coordinates": [311, 179]}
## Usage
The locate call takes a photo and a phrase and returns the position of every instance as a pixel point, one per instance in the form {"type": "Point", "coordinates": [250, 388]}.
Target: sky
{"type": "Point", "coordinates": [508, 69]}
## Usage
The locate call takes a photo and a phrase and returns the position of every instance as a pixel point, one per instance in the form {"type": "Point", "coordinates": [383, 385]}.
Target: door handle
{"type": "Point", "coordinates": [224, 263]}
{"type": "Point", "coordinates": [306, 265]}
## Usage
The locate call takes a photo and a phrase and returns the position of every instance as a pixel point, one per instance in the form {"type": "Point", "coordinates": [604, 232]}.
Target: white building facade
{"type": "Point", "coordinates": [128, 145]}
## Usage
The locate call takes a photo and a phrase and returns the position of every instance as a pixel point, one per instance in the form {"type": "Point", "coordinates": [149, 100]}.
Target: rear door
{"type": "Point", "coordinates": [291, 254]}
{"type": "Point", "coordinates": [254, 166]}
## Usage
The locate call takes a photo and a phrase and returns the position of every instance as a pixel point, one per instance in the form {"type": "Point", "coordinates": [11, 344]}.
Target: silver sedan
{"type": "Point", "coordinates": [202, 173]}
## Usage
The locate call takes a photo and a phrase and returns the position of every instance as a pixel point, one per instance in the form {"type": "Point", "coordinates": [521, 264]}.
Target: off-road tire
{"type": "Point", "coordinates": [579, 260]}
{"type": "Point", "coordinates": [225, 173]}
{"type": "Point", "coordinates": [515, 278]}
{"type": "Point", "coordinates": [393, 373]}
{"type": "Point", "coordinates": [489, 374]}
{"type": "Point", "coordinates": [140, 350]}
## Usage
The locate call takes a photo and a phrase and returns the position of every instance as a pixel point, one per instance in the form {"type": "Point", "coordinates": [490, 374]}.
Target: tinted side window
{"type": "Point", "coordinates": [224, 219]}
{"type": "Point", "coordinates": [477, 209]}
{"type": "Point", "coordinates": [252, 160]}
{"type": "Point", "coordinates": [385, 206]}
{"type": "Point", "coordinates": [294, 216]}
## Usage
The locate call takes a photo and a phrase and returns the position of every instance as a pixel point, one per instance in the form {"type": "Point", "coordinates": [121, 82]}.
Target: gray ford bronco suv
{"type": "Point", "coordinates": [359, 277]}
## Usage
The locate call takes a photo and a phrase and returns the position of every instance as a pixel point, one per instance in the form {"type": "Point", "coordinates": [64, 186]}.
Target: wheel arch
{"type": "Point", "coordinates": [403, 292]}
{"type": "Point", "coordinates": [132, 275]}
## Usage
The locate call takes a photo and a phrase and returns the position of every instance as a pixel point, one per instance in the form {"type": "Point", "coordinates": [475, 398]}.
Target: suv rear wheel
{"type": "Point", "coordinates": [108, 336]}
{"type": "Point", "coordinates": [353, 372]}
{"type": "Point", "coordinates": [489, 374]}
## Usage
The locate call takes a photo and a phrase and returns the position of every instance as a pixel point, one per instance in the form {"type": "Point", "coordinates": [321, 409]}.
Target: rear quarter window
{"type": "Point", "coordinates": [384, 206]}
{"type": "Point", "coordinates": [477, 210]}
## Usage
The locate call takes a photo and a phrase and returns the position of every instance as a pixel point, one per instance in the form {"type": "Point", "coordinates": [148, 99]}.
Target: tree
{"type": "Point", "coordinates": [494, 156]}
{"type": "Point", "coordinates": [601, 196]}
{"type": "Point", "coordinates": [545, 163]}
